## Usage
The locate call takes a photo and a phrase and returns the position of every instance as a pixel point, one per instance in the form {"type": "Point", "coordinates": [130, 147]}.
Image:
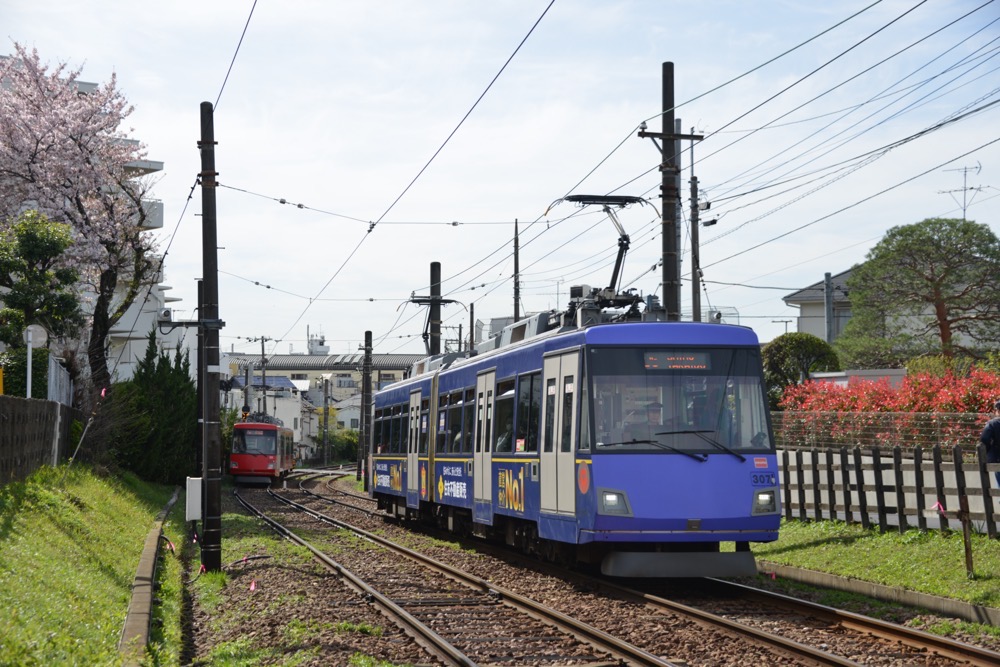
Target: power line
{"type": "Point", "coordinates": [233, 61]}
{"type": "Point", "coordinates": [467, 114]}
{"type": "Point", "coordinates": [857, 203]}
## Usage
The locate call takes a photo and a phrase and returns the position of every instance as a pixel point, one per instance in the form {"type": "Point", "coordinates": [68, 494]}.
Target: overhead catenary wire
{"type": "Point", "coordinates": [387, 221]}
{"type": "Point", "coordinates": [854, 204]}
{"type": "Point", "coordinates": [235, 53]}
{"type": "Point", "coordinates": [910, 107]}
{"type": "Point", "coordinates": [707, 92]}
{"type": "Point", "coordinates": [426, 165]}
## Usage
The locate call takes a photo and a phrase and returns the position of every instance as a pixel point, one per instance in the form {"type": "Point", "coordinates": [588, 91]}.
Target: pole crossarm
{"type": "Point", "coordinates": [669, 135]}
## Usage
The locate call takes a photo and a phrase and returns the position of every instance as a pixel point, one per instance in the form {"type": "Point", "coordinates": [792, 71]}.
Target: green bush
{"type": "Point", "coordinates": [15, 372]}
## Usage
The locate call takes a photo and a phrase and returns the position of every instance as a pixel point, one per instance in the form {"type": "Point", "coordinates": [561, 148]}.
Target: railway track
{"type": "Point", "coordinates": [813, 634]}
{"type": "Point", "coordinates": [458, 618]}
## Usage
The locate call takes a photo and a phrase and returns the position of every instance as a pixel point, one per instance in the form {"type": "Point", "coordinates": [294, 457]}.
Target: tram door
{"type": "Point", "coordinates": [560, 397]}
{"type": "Point", "coordinates": [482, 485]}
{"type": "Point", "coordinates": [412, 444]}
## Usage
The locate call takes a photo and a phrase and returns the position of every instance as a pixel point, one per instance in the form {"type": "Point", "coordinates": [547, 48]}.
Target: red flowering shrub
{"type": "Point", "coordinates": [974, 393]}
{"type": "Point", "coordinates": [923, 410]}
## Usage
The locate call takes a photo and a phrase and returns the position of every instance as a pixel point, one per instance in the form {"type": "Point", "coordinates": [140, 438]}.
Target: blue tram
{"type": "Point", "coordinates": [640, 446]}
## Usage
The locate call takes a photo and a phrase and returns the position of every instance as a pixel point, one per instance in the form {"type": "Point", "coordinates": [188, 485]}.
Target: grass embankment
{"type": "Point", "coordinates": [70, 541]}
{"type": "Point", "coordinates": [930, 562]}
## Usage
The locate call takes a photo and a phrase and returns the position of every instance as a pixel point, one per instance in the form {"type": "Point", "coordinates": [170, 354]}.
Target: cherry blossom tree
{"type": "Point", "coordinates": [64, 152]}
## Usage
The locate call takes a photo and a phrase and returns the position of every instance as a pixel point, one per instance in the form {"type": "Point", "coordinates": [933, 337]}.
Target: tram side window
{"type": "Point", "coordinates": [584, 417]}
{"type": "Point", "coordinates": [468, 420]}
{"type": "Point", "coordinates": [441, 437]}
{"type": "Point", "coordinates": [566, 442]}
{"type": "Point", "coordinates": [453, 436]}
{"type": "Point", "coordinates": [503, 413]}
{"type": "Point", "coordinates": [425, 427]}
{"type": "Point", "coordinates": [480, 420]}
{"type": "Point", "coordinates": [378, 433]}
{"type": "Point", "coordinates": [529, 404]}
{"type": "Point", "coordinates": [395, 423]}
{"type": "Point", "coordinates": [404, 431]}
{"type": "Point", "coordinates": [550, 414]}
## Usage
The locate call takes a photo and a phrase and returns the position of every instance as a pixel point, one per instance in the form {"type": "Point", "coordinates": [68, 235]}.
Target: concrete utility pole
{"type": "Point", "coordinates": [326, 418]}
{"type": "Point", "coordinates": [211, 544]}
{"type": "Point", "coordinates": [263, 376]}
{"type": "Point", "coordinates": [695, 261]}
{"type": "Point", "coordinates": [517, 277]}
{"type": "Point", "coordinates": [364, 442]}
{"type": "Point", "coordinates": [828, 305]}
{"type": "Point", "coordinates": [669, 170]}
{"type": "Point", "coordinates": [432, 335]}
{"type": "Point", "coordinates": [435, 313]}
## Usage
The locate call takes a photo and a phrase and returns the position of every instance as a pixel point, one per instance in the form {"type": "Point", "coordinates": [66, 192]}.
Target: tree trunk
{"type": "Point", "coordinates": [97, 355]}
{"type": "Point", "coordinates": [944, 328]}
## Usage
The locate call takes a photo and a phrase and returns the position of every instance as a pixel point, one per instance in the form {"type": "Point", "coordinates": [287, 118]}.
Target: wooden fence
{"type": "Point", "coordinates": [935, 488]}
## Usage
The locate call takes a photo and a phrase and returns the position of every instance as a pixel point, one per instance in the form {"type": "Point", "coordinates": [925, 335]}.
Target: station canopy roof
{"type": "Point", "coordinates": [273, 382]}
{"type": "Point", "coordinates": [331, 362]}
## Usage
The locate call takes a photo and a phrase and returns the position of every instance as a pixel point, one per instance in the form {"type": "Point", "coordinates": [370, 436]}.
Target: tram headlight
{"type": "Point", "coordinates": [613, 502]}
{"type": "Point", "coordinates": [765, 501]}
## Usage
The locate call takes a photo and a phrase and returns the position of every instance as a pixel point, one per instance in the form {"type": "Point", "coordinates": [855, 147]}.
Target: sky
{"type": "Point", "coordinates": [358, 142]}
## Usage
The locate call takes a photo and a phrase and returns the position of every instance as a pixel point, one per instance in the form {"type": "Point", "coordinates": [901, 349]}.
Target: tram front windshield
{"type": "Point", "coordinates": [692, 401]}
{"type": "Point", "coordinates": [253, 441]}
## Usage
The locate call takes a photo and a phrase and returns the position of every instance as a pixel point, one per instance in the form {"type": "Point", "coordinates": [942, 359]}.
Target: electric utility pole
{"type": "Point", "coordinates": [364, 442]}
{"type": "Point", "coordinates": [517, 277]}
{"type": "Point", "coordinates": [211, 543]}
{"type": "Point", "coordinates": [669, 170]}
{"type": "Point", "coordinates": [263, 373]}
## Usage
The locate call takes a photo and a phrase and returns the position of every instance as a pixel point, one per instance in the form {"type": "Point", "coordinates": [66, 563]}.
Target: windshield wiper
{"type": "Point", "coordinates": [662, 445]}
{"type": "Point", "coordinates": [712, 441]}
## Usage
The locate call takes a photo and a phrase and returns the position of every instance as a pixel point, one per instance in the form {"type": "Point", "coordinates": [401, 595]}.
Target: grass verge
{"type": "Point", "coordinates": [927, 562]}
{"type": "Point", "coordinates": [70, 541]}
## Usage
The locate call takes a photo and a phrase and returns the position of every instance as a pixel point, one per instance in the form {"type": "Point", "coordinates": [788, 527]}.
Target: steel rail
{"type": "Point", "coordinates": [786, 646]}
{"type": "Point", "coordinates": [433, 642]}
{"type": "Point", "coordinates": [622, 650]}
{"type": "Point", "coordinates": [948, 648]}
